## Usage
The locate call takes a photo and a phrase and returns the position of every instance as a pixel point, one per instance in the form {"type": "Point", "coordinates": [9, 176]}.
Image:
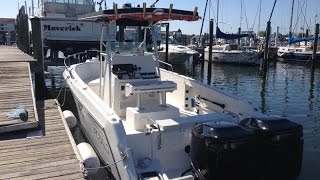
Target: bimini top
{"type": "Point", "coordinates": [141, 16]}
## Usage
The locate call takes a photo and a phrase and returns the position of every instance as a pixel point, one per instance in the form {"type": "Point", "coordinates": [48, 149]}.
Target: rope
{"type": "Point", "coordinates": [308, 60]}
{"type": "Point", "coordinates": [102, 167]}
{"type": "Point", "coordinates": [304, 15]}
{"type": "Point", "coordinates": [112, 164]}
{"type": "Point", "coordinates": [254, 21]}
{"type": "Point", "coordinates": [64, 96]}
{"type": "Point", "coordinates": [245, 14]}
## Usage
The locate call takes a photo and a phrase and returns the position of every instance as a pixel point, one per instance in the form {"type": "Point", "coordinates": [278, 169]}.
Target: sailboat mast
{"type": "Point", "coordinates": [217, 12]}
{"type": "Point", "coordinates": [290, 28]}
{"type": "Point", "coordinates": [260, 2]}
{"type": "Point", "coordinates": [240, 13]}
{"type": "Point", "coordinates": [209, 10]}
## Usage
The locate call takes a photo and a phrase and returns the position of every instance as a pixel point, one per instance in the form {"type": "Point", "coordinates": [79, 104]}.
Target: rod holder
{"type": "Point", "coordinates": [144, 10]}
{"type": "Point", "coordinates": [115, 8]}
{"type": "Point", "coordinates": [194, 12]}
{"type": "Point", "coordinates": [170, 11]}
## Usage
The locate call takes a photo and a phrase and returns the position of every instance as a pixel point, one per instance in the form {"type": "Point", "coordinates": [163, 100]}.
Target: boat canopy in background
{"type": "Point", "coordinates": [292, 40]}
{"type": "Point", "coordinates": [222, 35]}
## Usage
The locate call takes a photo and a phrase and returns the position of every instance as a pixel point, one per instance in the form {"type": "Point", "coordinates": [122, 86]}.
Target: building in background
{"type": "Point", "coordinates": [7, 30]}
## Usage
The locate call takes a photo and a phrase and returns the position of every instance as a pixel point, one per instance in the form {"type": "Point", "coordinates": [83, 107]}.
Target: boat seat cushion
{"type": "Point", "coordinates": [149, 86]}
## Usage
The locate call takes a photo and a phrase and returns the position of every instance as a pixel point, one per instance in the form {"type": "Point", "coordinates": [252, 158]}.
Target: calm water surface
{"type": "Point", "coordinates": [289, 90]}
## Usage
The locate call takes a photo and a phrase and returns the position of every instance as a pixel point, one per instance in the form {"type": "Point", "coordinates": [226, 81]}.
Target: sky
{"type": "Point", "coordinates": [229, 13]}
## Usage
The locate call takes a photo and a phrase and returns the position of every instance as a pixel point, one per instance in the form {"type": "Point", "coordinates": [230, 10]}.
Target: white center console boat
{"type": "Point", "coordinates": [149, 123]}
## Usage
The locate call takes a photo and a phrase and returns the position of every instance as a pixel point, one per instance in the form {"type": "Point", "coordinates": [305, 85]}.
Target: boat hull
{"type": "Point", "coordinates": [96, 122]}
{"type": "Point", "coordinates": [61, 33]}
{"type": "Point", "coordinates": [175, 57]}
{"type": "Point", "coordinates": [295, 57]}
{"type": "Point", "coordinates": [234, 57]}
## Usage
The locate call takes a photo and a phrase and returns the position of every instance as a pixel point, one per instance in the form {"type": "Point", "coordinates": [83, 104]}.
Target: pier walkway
{"type": "Point", "coordinates": [46, 153]}
{"type": "Point", "coordinates": [16, 89]}
{"type": "Point", "coordinates": [42, 146]}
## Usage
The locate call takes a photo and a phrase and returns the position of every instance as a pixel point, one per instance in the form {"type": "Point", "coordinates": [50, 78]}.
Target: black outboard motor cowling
{"type": "Point", "coordinates": [223, 151]}
{"type": "Point", "coordinates": [279, 146]}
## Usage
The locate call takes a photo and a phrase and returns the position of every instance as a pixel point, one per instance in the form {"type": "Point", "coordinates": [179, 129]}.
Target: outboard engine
{"type": "Point", "coordinates": [279, 146]}
{"type": "Point", "coordinates": [223, 150]}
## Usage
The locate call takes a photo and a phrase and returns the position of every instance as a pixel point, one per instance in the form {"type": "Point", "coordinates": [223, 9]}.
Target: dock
{"type": "Point", "coordinates": [16, 89]}
{"type": "Point", "coordinates": [42, 147]}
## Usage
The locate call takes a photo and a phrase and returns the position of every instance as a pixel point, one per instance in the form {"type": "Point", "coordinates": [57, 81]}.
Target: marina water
{"type": "Point", "coordinates": [289, 90]}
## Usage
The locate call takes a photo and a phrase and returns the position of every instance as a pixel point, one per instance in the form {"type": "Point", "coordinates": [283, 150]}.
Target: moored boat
{"type": "Point", "coordinates": [295, 54]}
{"type": "Point", "coordinates": [145, 122]}
{"type": "Point", "coordinates": [177, 53]}
{"type": "Point", "coordinates": [232, 53]}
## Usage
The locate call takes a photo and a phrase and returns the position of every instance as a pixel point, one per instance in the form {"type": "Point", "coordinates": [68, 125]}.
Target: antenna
{"type": "Point", "coordinates": [154, 4]}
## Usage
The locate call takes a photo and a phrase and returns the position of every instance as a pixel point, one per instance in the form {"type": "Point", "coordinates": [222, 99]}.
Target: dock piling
{"type": "Point", "coordinates": [38, 67]}
{"type": "Point", "coordinates": [167, 44]}
{"type": "Point", "coordinates": [276, 38]}
{"type": "Point", "coordinates": [210, 51]}
{"type": "Point", "coordinates": [315, 46]}
{"type": "Point", "coordinates": [306, 35]}
{"type": "Point", "coordinates": [239, 31]}
{"type": "Point", "coordinates": [264, 64]}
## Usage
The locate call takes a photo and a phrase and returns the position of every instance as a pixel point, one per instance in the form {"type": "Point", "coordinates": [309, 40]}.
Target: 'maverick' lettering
{"type": "Point", "coordinates": [57, 28]}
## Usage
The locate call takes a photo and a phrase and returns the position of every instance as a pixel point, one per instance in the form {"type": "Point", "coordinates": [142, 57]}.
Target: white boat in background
{"type": "Point", "coordinates": [145, 122]}
{"type": "Point", "coordinates": [296, 54]}
{"type": "Point", "coordinates": [293, 53]}
{"type": "Point", "coordinates": [62, 30]}
{"type": "Point", "coordinates": [177, 54]}
{"type": "Point", "coordinates": [232, 53]}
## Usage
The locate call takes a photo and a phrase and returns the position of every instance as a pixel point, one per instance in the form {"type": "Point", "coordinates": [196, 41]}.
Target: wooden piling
{"type": "Point", "coordinates": [167, 43]}
{"type": "Point", "coordinates": [210, 51]}
{"type": "Point", "coordinates": [239, 31]}
{"type": "Point", "coordinates": [315, 47]}
{"type": "Point", "coordinates": [307, 35]}
{"type": "Point", "coordinates": [202, 63]}
{"type": "Point", "coordinates": [264, 66]}
{"type": "Point", "coordinates": [38, 67]}
{"type": "Point", "coordinates": [276, 43]}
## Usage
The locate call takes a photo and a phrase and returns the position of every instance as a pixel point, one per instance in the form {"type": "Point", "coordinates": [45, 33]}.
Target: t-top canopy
{"type": "Point", "coordinates": [141, 16]}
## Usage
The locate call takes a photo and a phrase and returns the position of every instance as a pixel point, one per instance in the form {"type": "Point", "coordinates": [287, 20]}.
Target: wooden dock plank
{"type": "Point", "coordinates": [52, 152]}
{"type": "Point", "coordinates": [16, 89]}
{"type": "Point", "coordinates": [52, 156]}
{"type": "Point", "coordinates": [13, 54]}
